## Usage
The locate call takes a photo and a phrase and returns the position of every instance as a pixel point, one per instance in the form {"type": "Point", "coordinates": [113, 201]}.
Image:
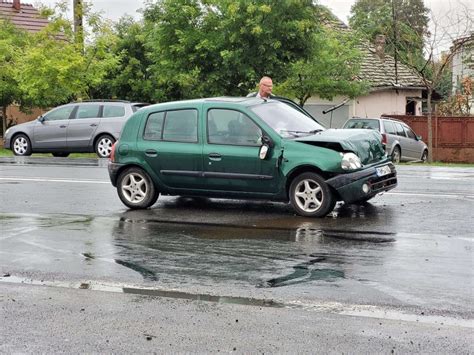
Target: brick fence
{"type": "Point", "coordinates": [453, 137]}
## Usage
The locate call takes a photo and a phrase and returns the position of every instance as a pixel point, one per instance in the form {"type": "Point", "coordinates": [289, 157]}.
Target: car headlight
{"type": "Point", "coordinates": [6, 132]}
{"type": "Point", "coordinates": [350, 161]}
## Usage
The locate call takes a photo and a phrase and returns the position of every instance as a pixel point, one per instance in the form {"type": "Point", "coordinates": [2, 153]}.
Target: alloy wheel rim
{"type": "Point", "coordinates": [308, 195]}
{"type": "Point", "coordinates": [20, 146]}
{"type": "Point", "coordinates": [134, 188]}
{"type": "Point", "coordinates": [104, 147]}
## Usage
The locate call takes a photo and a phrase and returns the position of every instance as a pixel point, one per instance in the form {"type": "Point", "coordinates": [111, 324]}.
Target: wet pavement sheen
{"type": "Point", "coordinates": [411, 249]}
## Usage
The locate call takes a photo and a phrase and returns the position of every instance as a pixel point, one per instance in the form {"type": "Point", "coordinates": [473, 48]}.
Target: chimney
{"type": "Point", "coordinates": [380, 46]}
{"type": "Point", "coordinates": [16, 5]}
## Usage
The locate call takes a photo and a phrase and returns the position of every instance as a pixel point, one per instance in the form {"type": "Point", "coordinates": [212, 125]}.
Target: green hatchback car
{"type": "Point", "coordinates": [246, 148]}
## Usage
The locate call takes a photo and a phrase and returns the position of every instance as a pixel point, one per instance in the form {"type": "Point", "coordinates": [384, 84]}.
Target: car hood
{"type": "Point", "coordinates": [366, 144]}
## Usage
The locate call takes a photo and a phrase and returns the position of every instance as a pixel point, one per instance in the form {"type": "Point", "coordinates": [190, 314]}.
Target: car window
{"type": "Point", "coordinates": [400, 130]}
{"type": "Point", "coordinates": [88, 111]}
{"type": "Point", "coordinates": [231, 127]}
{"type": "Point", "coordinates": [60, 113]}
{"type": "Point", "coordinates": [389, 127]}
{"type": "Point", "coordinates": [409, 132]}
{"type": "Point", "coordinates": [113, 111]}
{"type": "Point", "coordinates": [363, 124]}
{"type": "Point", "coordinates": [180, 126]}
{"type": "Point", "coordinates": [154, 126]}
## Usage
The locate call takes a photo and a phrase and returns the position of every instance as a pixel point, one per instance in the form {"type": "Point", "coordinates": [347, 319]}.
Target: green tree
{"type": "Point", "coordinates": [403, 22]}
{"type": "Point", "coordinates": [130, 78]}
{"type": "Point", "coordinates": [12, 42]}
{"type": "Point", "coordinates": [55, 69]}
{"type": "Point", "coordinates": [50, 71]}
{"type": "Point", "coordinates": [222, 47]}
{"type": "Point", "coordinates": [330, 70]}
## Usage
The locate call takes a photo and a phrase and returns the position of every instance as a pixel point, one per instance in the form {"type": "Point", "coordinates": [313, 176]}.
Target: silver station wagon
{"type": "Point", "coordinates": [401, 143]}
{"type": "Point", "coordinates": [79, 127]}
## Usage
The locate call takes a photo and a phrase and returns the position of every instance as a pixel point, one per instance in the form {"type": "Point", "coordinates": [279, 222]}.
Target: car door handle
{"type": "Point", "coordinates": [151, 153]}
{"type": "Point", "coordinates": [93, 124]}
{"type": "Point", "coordinates": [215, 156]}
{"type": "Point", "coordinates": [62, 126]}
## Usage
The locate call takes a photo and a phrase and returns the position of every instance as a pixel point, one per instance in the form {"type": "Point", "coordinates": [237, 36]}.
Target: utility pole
{"type": "Point", "coordinates": [395, 40]}
{"type": "Point", "coordinates": [78, 26]}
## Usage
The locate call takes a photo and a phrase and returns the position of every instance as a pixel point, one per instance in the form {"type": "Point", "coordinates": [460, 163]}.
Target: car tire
{"type": "Point", "coordinates": [396, 155]}
{"type": "Point", "coordinates": [311, 196]}
{"type": "Point", "coordinates": [424, 156]}
{"type": "Point", "coordinates": [21, 145]}
{"type": "Point", "coordinates": [103, 146]}
{"type": "Point", "coordinates": [60, 155]}
{"type": "Point", "coordinates": [136, 189]}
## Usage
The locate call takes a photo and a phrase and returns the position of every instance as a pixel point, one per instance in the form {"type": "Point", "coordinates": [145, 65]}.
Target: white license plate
{"type": "Point", "coordinates": [383, 170]}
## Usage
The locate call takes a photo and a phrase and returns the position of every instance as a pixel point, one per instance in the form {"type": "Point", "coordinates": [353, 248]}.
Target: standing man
{"type": "Point", "coordinates": [265, 88]}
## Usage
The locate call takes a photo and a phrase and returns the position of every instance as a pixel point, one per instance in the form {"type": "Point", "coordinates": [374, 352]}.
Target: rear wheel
{"type": "Point", "coordinates": [135, 189]}
{"type": "Point", "coordinates": [424, 156]}
{"type": "Point", "coordinates": [310, 196]}
{"type": "Point", "coordinates": [396, 154]}
{"type": "Point", "coordinates": [103, 146]}
{"type": "Point", "coordinates": [21, 145]}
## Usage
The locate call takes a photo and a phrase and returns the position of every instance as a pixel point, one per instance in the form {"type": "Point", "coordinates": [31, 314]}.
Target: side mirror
{"type": "Point", "coordinates": [41, 118]}
{"type": "Point", "coordinates": [263, 152]}
{"type": "Point", "coordinates": [419, 138]}
{"type": "Point", "coordinates": [267, 141]}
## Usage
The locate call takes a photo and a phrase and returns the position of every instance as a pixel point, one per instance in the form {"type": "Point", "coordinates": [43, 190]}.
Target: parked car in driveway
{"type": "Point", "coordinates": [401, 143]}
{"type": "Point", "coordinates": [88, 126]}
{"type": "Point", "coordinates": [246, 148]}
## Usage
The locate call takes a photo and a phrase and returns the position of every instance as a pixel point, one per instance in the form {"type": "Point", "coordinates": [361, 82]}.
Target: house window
{"type": "Point", "coordinates": [410, 108]}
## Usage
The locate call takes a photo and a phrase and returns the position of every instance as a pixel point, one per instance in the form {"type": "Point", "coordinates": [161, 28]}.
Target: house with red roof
{"type": "Point", "coordinates": [26, 17]}
{"type": "Point", "coordinates": [23, 16]}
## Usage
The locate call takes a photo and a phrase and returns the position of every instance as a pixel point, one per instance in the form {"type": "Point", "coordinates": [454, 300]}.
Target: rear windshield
{"type": "Point", "coordinates": [363, 124]}
{"type": "Point", "coordinates": [136, 107]}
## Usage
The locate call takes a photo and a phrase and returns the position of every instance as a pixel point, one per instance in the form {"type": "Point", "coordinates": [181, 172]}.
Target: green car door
{"type": "Point", "coordinates": [172, 147]}
{"type": "Point", "coordinates": [231, 150]}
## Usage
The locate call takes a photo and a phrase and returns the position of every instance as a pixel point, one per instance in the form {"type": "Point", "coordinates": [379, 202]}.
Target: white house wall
{"type": "Point", "coordinates": [373, 105]}
{"type": "Point", "coordinates": [385, 102]}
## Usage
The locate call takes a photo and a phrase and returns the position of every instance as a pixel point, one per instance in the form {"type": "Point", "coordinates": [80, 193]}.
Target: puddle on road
{"type": "Point", "coordinates": [304, 272]}
{"type": "Point", "coordinates": [146, 273]}
{"type": "Point", "coordinates": [233, 231]}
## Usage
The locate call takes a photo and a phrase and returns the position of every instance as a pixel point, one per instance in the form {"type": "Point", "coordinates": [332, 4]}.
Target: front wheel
{"type": "Point", "coordinates": [21, 145]}
{"type": "Point", "coordinates": [103, 146]}
{"type": "Point", "coordinates": [311, 196]}
{"type": "Point", "coordinates": [135, 189]}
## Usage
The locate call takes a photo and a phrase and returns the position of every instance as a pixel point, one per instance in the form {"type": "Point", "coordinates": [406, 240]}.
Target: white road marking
{"type": "Point", "coordinates": [40, 179]}
{"type": "Point", "coordinates": [95, 181]}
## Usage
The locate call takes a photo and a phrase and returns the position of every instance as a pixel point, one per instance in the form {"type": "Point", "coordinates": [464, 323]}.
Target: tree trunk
{"type": "Point", "coordinates": [430, 127]}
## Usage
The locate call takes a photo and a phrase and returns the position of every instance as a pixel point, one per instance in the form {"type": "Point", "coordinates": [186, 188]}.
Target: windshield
{"type": "Point", "coordinates": [285, 120]}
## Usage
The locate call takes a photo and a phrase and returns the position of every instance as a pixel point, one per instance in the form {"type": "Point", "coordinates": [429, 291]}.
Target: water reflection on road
{"type": "Point", "coordinates": [352, 256]}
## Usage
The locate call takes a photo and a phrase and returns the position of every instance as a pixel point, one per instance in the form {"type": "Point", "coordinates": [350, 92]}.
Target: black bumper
{"type": "Point", "coordinates": [350, 186]}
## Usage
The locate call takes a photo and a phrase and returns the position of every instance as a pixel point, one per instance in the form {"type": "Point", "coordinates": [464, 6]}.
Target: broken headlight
{"type": "Point", "coordinates": [350, 161]}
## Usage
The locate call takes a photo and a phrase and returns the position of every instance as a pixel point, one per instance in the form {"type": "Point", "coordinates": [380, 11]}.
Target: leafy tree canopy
{"type": "Point", "coordinates": [222, 47]}
{"type": "Point", "coordinates": [403, 22]}
{"type": "Point", "coordinates": [330, 70]}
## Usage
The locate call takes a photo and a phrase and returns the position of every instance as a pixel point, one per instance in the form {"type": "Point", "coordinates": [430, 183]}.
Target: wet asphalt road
{"type": "Point", "coordinates": [404, 260]}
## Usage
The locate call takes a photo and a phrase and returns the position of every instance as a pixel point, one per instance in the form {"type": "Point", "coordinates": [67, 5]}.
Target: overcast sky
{"type": "Point", "coordinates": [114, 9]}
{"type": "Point", "coordinates": [441, 9]}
